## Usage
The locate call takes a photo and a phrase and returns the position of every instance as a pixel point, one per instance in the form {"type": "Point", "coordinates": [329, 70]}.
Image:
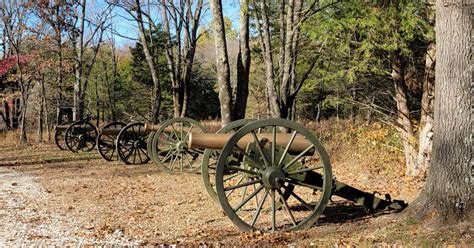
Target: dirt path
{"type": "Point", "coordinates": [26, 221]}
{"type": "Point", "coordinates": [55, 198]}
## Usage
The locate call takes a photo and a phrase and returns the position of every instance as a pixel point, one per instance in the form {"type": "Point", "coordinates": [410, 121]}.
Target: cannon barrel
{"type": "Point", "coordinates": [110, 131]}
{"type": "Point", "coordinates": [61, 127]}
{"type": "Point", "coordinates": [217, 141]}
{"type": "Point", "coordinates": [169, 129]}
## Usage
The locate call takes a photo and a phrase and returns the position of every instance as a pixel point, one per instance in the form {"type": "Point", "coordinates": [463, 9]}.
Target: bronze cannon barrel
{"type": "Point", "coordinates": [169, 129]}
{"type": "Point", "coordinates": [111, 131]}
{"type": "Point", "coordinates": [217, 141]}
{"type": "Point", "coordinates": [61, 127]}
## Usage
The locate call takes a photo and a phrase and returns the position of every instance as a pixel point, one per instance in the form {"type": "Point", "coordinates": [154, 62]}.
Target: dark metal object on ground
{"type": "Point", "coordinates": [59, 136]}
{"type": "Point", "coordinates": [131, 144]}
{"type": "Point", "coordinates": [80, 136]}
{"type": "Point", "coordinates": [106, 140]}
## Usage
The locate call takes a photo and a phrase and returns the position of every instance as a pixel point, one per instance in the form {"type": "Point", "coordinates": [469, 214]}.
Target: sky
{"type": "Point", "coordinates": [127, 27]}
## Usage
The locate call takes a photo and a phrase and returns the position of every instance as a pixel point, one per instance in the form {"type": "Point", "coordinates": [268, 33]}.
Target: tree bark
{"type": "Point", "coordinates": [425, 138]}
{"type": "Point", "coordinates": [39, 130]}
{"type": "Point", "coordinates": [78, 109]}
{"type": "Point", "coordinates": [448, 195]}
{"type": "Point", "coordinates": [403, 112]}
{"type": "Point", "coordinates": [265, 38]}
{"type": "Point", "coordinates": [223, 69]}
{"type": "Point", "coordinates": [156, 95]}
{"type": "Point", "coordinates": [243, 64]}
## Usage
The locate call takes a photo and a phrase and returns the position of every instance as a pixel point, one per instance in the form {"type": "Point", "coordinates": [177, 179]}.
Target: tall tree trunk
{"type": "Point", "coordinates": [7, 114]}
{"type": "Point", "coordinates": [39, 130]}
{"type": "Point", "coordinates": [289, 57]}
{"type": "Point", "coordinates": [448, 194]}
{"type": "Point", "coordinates": [425, 139]}
{"type": "Point", "coordinates": [78, 109]}
{"type": "Point", "coordinates": [403, 112]}
{"type": "Point", "coordinates": [243, 64]}
{"type": "Point", "coordinates": [265, 38]}
{"type": "Point", "coordinates": [97, 105]}
{"type": "Point", "coordinates": [170, 61]}
{"type": "Point", "coordinates": [59, 97]}
{"type": "Point", "coordinates": [45, 108]}
{"type": "Point", "coordinates": [222, 61]}
{"type": "Point", "coordinates": [156, 95]}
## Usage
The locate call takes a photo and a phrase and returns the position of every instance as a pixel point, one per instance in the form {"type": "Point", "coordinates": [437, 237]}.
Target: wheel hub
{"type": "Point", "coordinates": [273, 178]}
{"type": "Point", "coordinates": [180, 145]}
{"type": "Point", "coordinates": [137, 143]}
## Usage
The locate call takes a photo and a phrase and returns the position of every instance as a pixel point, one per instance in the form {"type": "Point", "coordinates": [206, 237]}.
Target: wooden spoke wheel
{"type": "Point", "coordinates": [59, 137]}
{"type": "Point", "coordinates": [209, 159]}
{"type": "Point", "coordinates": [80, 136]}
{"type": "Point", "coordinates": [131, 144]}
{"type": "Point", "coordinates": [169, 146]}
{"type": "Point", "coordinates": [273, 162]}
{"type": "Point", "coordinates": [106, 141]}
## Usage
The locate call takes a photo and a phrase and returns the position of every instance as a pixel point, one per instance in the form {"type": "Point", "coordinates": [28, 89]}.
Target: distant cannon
{"type": "Point", "coordinates": [274, 174]}
{"type": "Point", "coordinates": [78, 136]}
{"type": "Point", "coordinates": [168, 145]}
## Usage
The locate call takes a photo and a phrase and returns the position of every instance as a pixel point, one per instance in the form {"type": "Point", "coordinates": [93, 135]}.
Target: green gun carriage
{"type": "Point", "coordinates": [168, 145]}
{"type": "Point", "coordinates": [273, 175]}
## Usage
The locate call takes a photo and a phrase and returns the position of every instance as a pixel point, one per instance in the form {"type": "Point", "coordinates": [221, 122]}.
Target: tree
{"type": "Point", "coordinates": [81, 44]}
{"type": "Point", "coordinates": [14, 15]}
{"type": "Point", "coordinates": [448, 194]}
{"type": "Point", "coordinates": [377, 49]}
{"type": "Point", "coordinates": [233, 95]}
{"type": "Point", "coordinates": [243, 64]}
{"type": "Point", "coordinates": [185, 16]}
{"type": "Point", "coordinates": [283, 80]}
{"type": "Point", "coordinates": [425, 141]}
{"type": "Point", "coordinates": [59, 16]}
{"type": "Point", "coordinates": [222, 62]}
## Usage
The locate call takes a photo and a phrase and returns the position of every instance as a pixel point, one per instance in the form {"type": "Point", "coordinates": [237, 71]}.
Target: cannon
{"type": "Point", "coordinates": [106, 140]}
{"type": "Point", "coordinates": [274, 175]}
{"type": "Point", "coordinates": [131, 145]}
{"type": "Point", "coordinates": [168, 145]}
{"type": "Point", "coordinates": [77, 136]}
{"type": "Point", "coordinates": [59, 132]}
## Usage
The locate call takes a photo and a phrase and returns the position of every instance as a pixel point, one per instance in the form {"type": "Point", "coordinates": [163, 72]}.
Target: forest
{"type": "Point", "coordinates": [364, 69]}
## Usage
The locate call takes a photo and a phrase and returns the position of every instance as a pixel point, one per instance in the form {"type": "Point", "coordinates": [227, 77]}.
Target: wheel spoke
{"type": "Point", "coordinates": [139, 155]}
{"type": "Point", "coordinates": [297, 182]}
{"type": "Point", "coordinates": [285, 152]}
{"type": "Point", "coordinates": [285, 204]}
{"type": "Point", "coordinates": [243, 185]}
{"type": "Point", "coordinates": [232, 190]}
{"type": "Point", "coordinates": [305, 170]}
{"type": "Point", "coordinates": [243, 170]}
{"type": "Point", "coordinates": [259, 148]}
{"type": "Point", "coordinates": [298, 156]}
{"type": "Point", "coordinates": [248, 198]}
{"type": "Point", "coordinates": [253, 161]}
{"type": "Point", "coordinates": [259, 208]}
{"type": "Point", "coordinates": [168, 155]}
{"type": "Point", "coordinates": [188, 132]}
{"type": "Point", "coordinates": [306, 205]}
{"type": "Point", "coordinates": [273, 145]}
{"type": "Point", "coordinates": [273, 210]}
{"type": "Point", "coordinates": [230, 177]}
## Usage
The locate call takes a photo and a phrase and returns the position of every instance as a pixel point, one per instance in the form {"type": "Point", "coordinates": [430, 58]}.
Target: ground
{"type": "Point", "coordinates": [53, 197]}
